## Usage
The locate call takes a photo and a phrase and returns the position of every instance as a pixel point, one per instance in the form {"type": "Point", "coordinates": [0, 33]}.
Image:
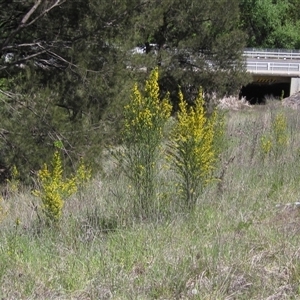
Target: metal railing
{"type": "Point", "coordinates": [277, 68]}
{"type": "Point", "coordinates": [271, 53]}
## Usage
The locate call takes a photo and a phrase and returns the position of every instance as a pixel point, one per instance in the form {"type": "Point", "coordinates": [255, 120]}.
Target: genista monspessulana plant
{"type": "Point", "coordinates": [2, 211]}
{"type": "Point", "coordinates": [145, 117]}
{"type": "Point", "coordinates": [195, 147]}
{"type": "Point", "coordinates": [54, 188]}
{"type": "Point", "coordinates": [276, 140]}
{"type": "Point", "coordinates": [13, 183]}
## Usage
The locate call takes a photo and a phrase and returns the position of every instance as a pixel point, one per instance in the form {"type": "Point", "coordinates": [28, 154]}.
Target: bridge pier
{"type": "Point", "coordinates": [295, 85]}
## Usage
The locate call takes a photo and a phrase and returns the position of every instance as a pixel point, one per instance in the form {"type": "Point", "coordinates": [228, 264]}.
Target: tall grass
{"type": "Point", "coordinates": [241, 241]}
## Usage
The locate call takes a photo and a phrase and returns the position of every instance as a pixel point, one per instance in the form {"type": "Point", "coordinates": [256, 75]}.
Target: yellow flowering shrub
{"type": "Point", "coordinates": [277, 139]}
{"type": "Point", "coordinates": [266, 144]}
{"type": "Point", "coordinates": [279, 128]}
{"type": "Point", "coordinates": [14, 183]}
{"type": "Point", "coordinates": [83, 174]}
{"type": "Point", "coordinates": [3, 213]}
{"type": "Point", "coordinates": [144, 120]}
{"type": "Point", "coordinates": [146, 114]}
{"type": "Point", "coordinates": [195, 147]}
{"type": "Point", "coordinates": [53, 188]}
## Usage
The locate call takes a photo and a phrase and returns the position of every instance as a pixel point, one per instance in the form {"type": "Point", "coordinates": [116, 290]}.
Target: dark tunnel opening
{"type": "Point", "coordinates": [257, 93]}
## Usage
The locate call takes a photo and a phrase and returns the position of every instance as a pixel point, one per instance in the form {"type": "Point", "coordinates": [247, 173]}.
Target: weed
{"type": "Point", "coordinates": [54, 188]}
{"type": "Point", "coordinates": [3, 212]}
{"type": "Point", "coordinates": [275, 141]}
{"type": "Point", "coordinates": [195, 147]}
{"type": "Point", "coordinates": [14, 182]}
{"type": "Point", "coordinates": [145, 117]}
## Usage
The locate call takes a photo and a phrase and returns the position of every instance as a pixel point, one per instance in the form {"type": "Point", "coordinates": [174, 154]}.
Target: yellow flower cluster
{"type": "Point", "coordinates": [195, 135]}
{"type": "Point", "coordinates": [83, 174]}
{"type": "Point", "coordinates": [54, 188]}
{"type": "Point", "coordinates": [2, 211]}
{"type": "Point", "coordinates": [266, 144]}
{"type": "Point", "coordinates": [277, 138]}
{"type": "Point", "coordinates": [152, 88]}
{"type": "Point", "coordinates": [144, 120]}
{"type": "Point", "coordinates": [14, 182]}
{"type": "Point", "coordinates": [279, 128]}
{"type": "Point", "coordinates": [146, 112]}
{"type": "Point", "coordinates": [194, 145]}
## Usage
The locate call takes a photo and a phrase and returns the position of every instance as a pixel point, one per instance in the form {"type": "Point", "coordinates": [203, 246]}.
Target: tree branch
{"type": "Point", "coordinates": [22, 60]}
{"type": "Point", "coordinates": [31, 11]}
{"type": "Point", "coordinates": [25, 19]}
{"type": "Point", "coordinates": [57, 3]}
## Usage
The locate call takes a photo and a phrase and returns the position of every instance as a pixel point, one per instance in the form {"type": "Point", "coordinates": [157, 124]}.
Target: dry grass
{"type": "Point", "coordinates": [233, 103]}
{"type": "Point", "coordinates": [241, 241]}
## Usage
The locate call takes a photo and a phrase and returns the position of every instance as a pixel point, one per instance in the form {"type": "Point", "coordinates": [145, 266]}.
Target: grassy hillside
{"type": "Point", "coordinates": [241, 241]}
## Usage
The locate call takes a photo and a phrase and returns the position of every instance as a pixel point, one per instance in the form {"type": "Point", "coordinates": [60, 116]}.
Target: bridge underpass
{"type": "Point", "coordinates": [275, 73]}
{"type": "Point", "coordinates": [264, 87]}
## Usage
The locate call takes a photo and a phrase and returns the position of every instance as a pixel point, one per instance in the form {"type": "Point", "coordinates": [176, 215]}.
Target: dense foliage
{"type": "Point", "coordinates": [59, 68]}
{"type": "Point", "coordinates": [271, 23]}
{"type": "Point", "coordinates": [67, 67]}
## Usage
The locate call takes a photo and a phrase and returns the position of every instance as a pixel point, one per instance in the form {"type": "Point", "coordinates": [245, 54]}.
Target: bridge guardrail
{"type": "Point", "coordinates": [271, 54]}
{"type": "Point", "coordinates": [274, 68]}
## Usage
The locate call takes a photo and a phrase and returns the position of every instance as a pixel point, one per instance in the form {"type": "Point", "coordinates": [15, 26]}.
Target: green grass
{"type": "Point", "coordinates": [236, 244]}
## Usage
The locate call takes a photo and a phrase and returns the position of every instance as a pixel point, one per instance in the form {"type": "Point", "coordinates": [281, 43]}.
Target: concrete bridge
{"type": "Point", "coordinates": [274, 66]}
